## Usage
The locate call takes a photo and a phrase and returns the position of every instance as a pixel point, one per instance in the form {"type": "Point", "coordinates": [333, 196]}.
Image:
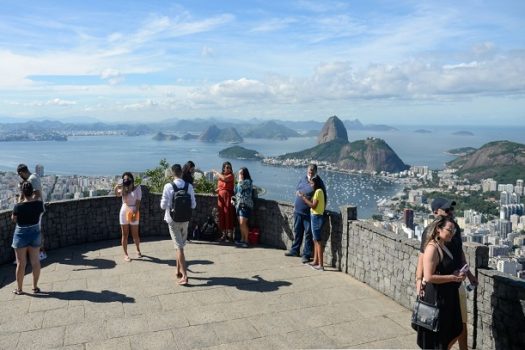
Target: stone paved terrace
{"type": "Point", "coordinates": [253, 298]}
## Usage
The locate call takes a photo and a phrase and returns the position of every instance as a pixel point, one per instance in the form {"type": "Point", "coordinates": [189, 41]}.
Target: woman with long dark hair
{"type": "Point", "coordinates": [317, 206]}
{"type": "Point", "coordinates": [188, 170]}
{"type": "Point", "coordinates": [440, 286]}
{"type": "Point", "coordinates": [27, 237]}
{"type": "Point", "coordinates": [129, 211]}
{"type": "Point", "coordinates": [244, 203]}
{"type": "Point", "coordinates": [225, 184]}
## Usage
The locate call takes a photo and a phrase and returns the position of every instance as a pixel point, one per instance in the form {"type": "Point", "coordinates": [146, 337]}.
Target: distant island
{"type": "Point", "coordinates": [160, 136]}
{"type": "Point", "coordinates": [215, 134]}
{"type": "Point", "coordinates": [463, 133]}
{"type": "Point", "coordinates": [462, 151]}
{"type": "Point", "coordinates": [238, 152]}
{"type": "Point", "coordinates": [422, 131]}
{"type": "Point", "coordinates": [370, 155]}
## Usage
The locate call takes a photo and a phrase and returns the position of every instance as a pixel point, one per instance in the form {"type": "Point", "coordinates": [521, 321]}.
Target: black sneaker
{"type": "Point", "coordinates": [290, 254]}
{"type": "Point", "coordinates": [305, 260]}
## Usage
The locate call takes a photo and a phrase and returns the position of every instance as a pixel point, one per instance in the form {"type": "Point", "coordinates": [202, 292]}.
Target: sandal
{"type": "Point", "coordinates": [139, 255]}
{"type": "Point", "coordinates": [36, 290]}
{"type": "Point", "coordinates": [126, 258]}
{"type": "Point", "coordinates": [18, 291]}
{"type": "Point", "coordinates": [183, 282]}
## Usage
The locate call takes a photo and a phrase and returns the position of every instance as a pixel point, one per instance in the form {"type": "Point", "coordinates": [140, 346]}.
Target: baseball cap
{"type": "Point", "coordinates": [441, 203]}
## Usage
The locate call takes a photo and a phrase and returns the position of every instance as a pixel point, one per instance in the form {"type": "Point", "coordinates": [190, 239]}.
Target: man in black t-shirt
{"type": "Point", "coordinates": [444, 207]}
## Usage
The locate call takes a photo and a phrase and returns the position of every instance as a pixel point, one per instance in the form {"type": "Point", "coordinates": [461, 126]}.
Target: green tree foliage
{"type": "Point", "coordinates": [204, 186]}
{"type": "Point", "coordinates": [155, 179]}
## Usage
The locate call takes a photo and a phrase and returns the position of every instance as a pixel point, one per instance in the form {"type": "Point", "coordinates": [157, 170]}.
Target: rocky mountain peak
{"type": "Point", "coordinates": [333, 129]}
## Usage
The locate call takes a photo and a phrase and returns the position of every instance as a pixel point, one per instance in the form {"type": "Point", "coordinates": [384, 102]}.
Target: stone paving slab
{"type": "Point", "coordinates": [253, 298]}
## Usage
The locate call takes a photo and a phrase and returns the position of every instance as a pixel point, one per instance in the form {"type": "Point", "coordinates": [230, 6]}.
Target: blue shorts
{"type": "Point", "coordinates": [244, 211]}
{"type": "Point", "coordinates": [27, 236]}
{"type": "Point", "coordinates": [317, 226]}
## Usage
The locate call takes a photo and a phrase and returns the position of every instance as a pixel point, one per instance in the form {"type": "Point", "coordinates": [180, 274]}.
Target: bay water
{"type": "Point", "coordinates": [112, 155]}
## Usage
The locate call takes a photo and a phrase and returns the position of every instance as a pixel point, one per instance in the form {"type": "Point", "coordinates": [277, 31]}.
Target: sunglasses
{"type": "Point", "coordinates": [451, 230]}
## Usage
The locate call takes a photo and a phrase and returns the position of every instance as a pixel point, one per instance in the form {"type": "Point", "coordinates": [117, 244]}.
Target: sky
{"type": "Point", "coordinates": [382, 62]}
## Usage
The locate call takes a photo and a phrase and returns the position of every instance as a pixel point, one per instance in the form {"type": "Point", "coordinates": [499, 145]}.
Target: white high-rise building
{"type": "Point", "coordinates": [489, 185]}
{"type": "Point", "coordinates": [505, 227]}
{"type": "Point", "coordinates": [504, 198]}
{"type": "Point", "coordinates": [519, 187]}
{"type": "Point", "coordinates": [510, 266]}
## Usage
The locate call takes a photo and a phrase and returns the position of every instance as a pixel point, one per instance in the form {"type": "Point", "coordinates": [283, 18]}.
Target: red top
{"type": "Point", "coordinates": [226, 184]}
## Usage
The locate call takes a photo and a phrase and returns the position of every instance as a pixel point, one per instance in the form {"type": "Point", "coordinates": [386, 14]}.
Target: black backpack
{"type": "Point", "coordinates": [180, 204]}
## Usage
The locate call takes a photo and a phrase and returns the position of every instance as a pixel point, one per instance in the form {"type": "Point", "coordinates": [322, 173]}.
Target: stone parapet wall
{"type": "Point", "coordinates": [500, 311]}
{"type": "Point", "coordinates": [387, 262]}
{"type": "Point", "coordinates": [72, 222]}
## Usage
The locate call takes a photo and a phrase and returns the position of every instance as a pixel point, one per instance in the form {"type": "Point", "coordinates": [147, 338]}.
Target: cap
{"type": "Point", "coordinates": [441, 203]}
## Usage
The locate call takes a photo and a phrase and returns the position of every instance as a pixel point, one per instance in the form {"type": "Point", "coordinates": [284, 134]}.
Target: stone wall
{"type": "Point", "coordinates": [387, 262]}
{"type": "Point", "coordinates": [93, 219]}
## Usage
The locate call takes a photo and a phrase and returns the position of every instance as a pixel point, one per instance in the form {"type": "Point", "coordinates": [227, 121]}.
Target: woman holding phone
{"type": "Point", "coordinates": [129, 212]}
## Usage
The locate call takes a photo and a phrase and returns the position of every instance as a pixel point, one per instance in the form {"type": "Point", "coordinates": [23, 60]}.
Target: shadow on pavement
{"type": "Point", "coordinates": [149, 258]}
{"type": "Point", "coordinates": [257, 284]}
{"type": "Point", "coordinates": [92, 264]}
{"type": "Point", "coordinates": [105, 296]}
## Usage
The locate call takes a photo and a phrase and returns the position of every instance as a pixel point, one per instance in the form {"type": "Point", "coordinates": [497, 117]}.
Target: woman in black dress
{"type": "Point", "coordinates": [440, 281]}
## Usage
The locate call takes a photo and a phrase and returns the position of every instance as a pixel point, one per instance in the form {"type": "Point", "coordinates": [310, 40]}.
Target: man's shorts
{"type": "Point", "coordinates": [179, 233]}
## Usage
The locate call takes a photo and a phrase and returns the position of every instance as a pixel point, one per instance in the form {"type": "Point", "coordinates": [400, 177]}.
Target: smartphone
{"type": "Point", "coordinates": [464, 269]}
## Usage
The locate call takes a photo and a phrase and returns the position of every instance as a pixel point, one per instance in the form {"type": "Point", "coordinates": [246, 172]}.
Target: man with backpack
{"type": "Point", "coordinates": [178, 200]}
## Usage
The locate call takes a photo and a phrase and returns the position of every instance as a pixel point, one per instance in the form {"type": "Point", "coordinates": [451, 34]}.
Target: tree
{"type": "Point", "coordinates": [156, 178]}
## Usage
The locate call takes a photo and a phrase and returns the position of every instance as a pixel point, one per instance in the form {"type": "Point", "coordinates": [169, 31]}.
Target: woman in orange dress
{"type": "Point", "coordinates": [224, 194]}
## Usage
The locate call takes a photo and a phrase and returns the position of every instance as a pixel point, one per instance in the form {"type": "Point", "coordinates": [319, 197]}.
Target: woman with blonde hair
{"type": "Point", "coordinates": [129, 212]}
{"type": "Point", "coordinates": [440, 286]}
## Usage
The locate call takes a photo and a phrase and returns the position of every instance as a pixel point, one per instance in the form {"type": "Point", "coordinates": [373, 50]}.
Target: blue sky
{"type": "Point", "coordinates": [392, 62]}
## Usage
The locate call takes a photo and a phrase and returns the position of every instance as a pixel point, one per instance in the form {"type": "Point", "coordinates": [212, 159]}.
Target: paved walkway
{"type": "Point", "coordinates": [253, 298]}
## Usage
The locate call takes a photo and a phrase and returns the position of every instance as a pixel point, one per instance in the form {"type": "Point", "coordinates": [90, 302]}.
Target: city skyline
{"type": "Point", "coordinates": [380, 62]}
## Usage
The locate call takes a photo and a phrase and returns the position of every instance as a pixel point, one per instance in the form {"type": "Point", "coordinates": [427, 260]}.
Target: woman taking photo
{"type": "Point", "coordinates": [129, 212]}
{"type": "Point", "coordinates": [243, 203]}
{"type": "Point", "coordinates": [27, 237]}
{"type": "Point", "coordinates": [225, 184]}
{"type": "Point", "coordinates": [440, 286]}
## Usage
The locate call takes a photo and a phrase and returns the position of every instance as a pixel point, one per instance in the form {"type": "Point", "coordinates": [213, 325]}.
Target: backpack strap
{"type": "Point", "coordinates": [186, 184]}
{"type": "Point", "coordinates": [175, 188]}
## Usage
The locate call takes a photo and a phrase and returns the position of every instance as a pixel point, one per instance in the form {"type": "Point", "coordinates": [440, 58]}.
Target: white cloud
{"type": "Point", "coordinates": [112, 76]}
{"type": "Point", "coordinates": [148, 104]}
{"type": "Point", "coordinates": [274, 24]}
{"type": "Point", "coordinates": [60, 102]}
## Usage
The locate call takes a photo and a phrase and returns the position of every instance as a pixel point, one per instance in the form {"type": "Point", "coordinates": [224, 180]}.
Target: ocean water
{"type": "Point", "coordinates": [111, 155]}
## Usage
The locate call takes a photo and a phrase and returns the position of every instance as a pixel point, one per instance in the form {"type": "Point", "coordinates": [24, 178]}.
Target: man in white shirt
{"type": "Point", "coordinates": [178, 230]}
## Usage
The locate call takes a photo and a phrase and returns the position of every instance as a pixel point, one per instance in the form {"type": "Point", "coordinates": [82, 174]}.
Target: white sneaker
{"type": "Point", "coordinates": [43, 256]}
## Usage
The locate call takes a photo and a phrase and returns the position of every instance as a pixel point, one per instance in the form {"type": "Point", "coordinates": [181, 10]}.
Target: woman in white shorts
{"type": "Point", "coordinates": [129, 212]}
